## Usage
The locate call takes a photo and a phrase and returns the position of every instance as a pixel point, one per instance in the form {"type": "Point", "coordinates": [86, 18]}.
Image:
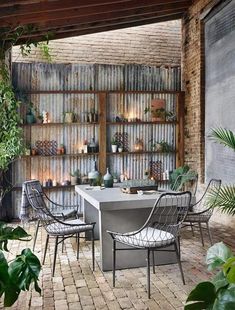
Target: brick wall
{"type": "Point", "coordinates": [156, 44]}
{"type": "Point", "coordinates": [193, 85]}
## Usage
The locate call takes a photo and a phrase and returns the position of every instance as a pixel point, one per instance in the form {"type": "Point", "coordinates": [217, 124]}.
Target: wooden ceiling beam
{"type": "Point", "coordinates": [88, 13]}
{"type": "Point", "coordinates": [103, 28]}
{"type": "Point", "coordinates": [106, 24]}
{"type": "Point", "coordinates": [15, 8]}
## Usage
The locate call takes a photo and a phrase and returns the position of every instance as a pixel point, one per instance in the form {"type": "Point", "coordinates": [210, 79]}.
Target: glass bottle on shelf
{"type": "Point", "coordinates": [93, 148]}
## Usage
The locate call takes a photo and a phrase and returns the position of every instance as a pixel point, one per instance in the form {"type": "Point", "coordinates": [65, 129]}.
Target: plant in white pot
{"type": "Point", "coordinates": [114, 145]}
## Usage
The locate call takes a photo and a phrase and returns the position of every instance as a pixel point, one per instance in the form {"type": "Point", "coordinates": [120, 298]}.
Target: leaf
{"type": "Point", "coordinates": [224, 136]}
{"type": "Point", "coordinates": [202, 296]}
{"type": "Point", "coordinates": [25, 269]}
{"type": "Point", "coordinates": [229, 270]}
{"type": "Point", "coordinates": [219, 280]}
{"type": "Point", "coordinates": [217, 255]}
{"type": "Point", "coordinates": [225, 299]}
{"type": "Point", "coordinates": [224, 199]}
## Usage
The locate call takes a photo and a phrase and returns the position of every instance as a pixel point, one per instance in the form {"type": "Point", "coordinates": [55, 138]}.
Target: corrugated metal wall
{"type": "Point", "coordinates": [48, 77]}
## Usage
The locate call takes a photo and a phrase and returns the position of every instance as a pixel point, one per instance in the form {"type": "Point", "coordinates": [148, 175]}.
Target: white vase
{"type": "Point", "coordinates": [114, 148]}
{"type": "Point", "coordinates": [120, 149]}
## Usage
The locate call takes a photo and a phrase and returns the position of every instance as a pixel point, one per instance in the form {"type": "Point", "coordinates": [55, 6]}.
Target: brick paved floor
{"type": "Point", "coordinates": [75, 286]}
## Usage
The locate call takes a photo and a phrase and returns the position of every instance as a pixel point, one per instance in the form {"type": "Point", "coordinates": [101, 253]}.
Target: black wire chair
{"type": "Point", "coordinates": [201, 212]}
{"type": "Point", "coordinates": [60, 211]}
{"type": "Point", "coordinates": [55, 227]}
{"type": "Point", "coordinates": [160, 230]}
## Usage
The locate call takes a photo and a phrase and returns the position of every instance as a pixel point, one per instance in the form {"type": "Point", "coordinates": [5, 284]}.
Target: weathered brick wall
{"type": "Point", "coordinates": [156, 44]}
{"type": "Point", "coordinates": [193, 85]}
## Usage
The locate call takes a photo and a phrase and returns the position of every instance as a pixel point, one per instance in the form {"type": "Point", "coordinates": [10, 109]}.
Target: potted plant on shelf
{"type": "Point", "coordinates": [75, 177]}
{"type": "Point", "coordinates": [157, 114]}
{"type": "Point", "coordinates": [165, 147]}
{"type": "Point", "coordinates": [120, 147]}
{"type": "Point", "coordinates": [114, 145]}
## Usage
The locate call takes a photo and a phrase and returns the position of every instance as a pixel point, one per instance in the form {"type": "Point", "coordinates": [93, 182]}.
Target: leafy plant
{"type": "Point", "coordinates": [177, 182]}
{"type": "Point", "coordinates": [22, 271]}
{"type": "Point", "coordinates": [114, 141]}
{"type": "Point", "coordinates": [224, 136]}
{"type": "Point", "coordinates": [226, 196]}
{"type": "Point", "coordinates": [76, 173]}
{"type": "Point", "coordinates": [158, 113]}
{"type": "Point", "coordinates": [219, 293]}
{"type": "Point", "coordinates": [165, 147]}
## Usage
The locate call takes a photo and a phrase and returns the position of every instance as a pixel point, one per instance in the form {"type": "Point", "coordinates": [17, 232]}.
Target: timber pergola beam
{"type": "Point", "coordinates": [71, 17]}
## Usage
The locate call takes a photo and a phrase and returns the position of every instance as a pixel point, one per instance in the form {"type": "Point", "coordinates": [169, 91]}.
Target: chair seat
{"type": "Point", "coordinates": [192, 217]}
{"type": "Point", "coordinates": [64, 213]}
{"type": "Point", "coordinates": [148, 238]}
{"type": "Point", "coordinates": [58, 229]}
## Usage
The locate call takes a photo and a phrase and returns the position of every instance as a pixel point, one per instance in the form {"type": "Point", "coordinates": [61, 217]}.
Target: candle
{"type": "Point", "coordinates": [54, 183]}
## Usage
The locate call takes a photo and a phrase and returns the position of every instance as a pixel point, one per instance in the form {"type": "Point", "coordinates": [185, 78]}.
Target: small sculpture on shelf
{"type": "Point", "coordinates": [45, 116]}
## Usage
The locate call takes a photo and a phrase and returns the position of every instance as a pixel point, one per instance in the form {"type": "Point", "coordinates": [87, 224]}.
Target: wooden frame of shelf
{"type": "Point", "coordinates": [103, 123]}
{"type": "Point", "coordinates": [57, 187]}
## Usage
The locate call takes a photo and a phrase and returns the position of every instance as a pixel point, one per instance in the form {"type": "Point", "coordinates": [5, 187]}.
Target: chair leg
{"type": "Point", "coordinates": [55, 253]}
{"type": "Point", "coordinates": [36, 234]}
{"type": "Point", "coordinates": [78, 244]}
{"type": "Point", "coordinates": [178, 245]}
{"type": "Point", "coordinates": [209, 233]}
{"type": "Point", "coordinates": [148, 273]}
{"type": "Point", "coordinates": [93, 249]}
{"type": "Point", "coordinates": [153, 262]}
{"type": "Point", "coordinates": [200, 227]}
{"type": "Point", "coordinates": [191, 225]}
{"type": "Point", "coordinates": [114, 261]}
{"type": "Point", "coordinates": [179, 262]}
{"type": "Point", "coordinates": [45, 250]}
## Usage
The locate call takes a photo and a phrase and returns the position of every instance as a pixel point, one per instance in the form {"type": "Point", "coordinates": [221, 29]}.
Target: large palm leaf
{"type": "Point", "coordinates": [224, 136]}
{"type": "Point", "coordinates": [224, 200]}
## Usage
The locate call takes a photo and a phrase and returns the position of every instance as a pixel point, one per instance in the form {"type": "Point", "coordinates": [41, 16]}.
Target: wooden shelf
{"type": "Point", "coordinates": [62, 155]}
{"type": "Point", "coordinates": [17, 188]}
{"type": "Point", "coordinates": [141, 123]}
{"type": "Point", "coordinates": [139, 153]}
{"type": "Point", "coordinates": [55, 124]}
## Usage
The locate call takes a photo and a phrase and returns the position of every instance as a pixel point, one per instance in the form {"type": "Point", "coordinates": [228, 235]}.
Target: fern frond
{"type": "Point", "coordinates": [224, 136]}
{"type": "Point", "coordinates": [224, 200]}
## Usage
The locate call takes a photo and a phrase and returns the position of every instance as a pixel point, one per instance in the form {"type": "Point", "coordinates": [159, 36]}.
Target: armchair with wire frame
{"type": "Point", "coordinates": [201, 212]}
{"type": "Point", "coordinates": [54, 226]}
{"type": "Point", "coordinates": [160, 230]}
{"type": "Point", "coordinates": [60, 211]}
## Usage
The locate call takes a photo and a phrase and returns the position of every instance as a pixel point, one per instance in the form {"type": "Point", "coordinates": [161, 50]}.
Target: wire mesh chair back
{"type": "Point", "coordinates": [162, 226]}
{"type": "Point", "coordinates": [205, 204]}
{"type": "Point", "coordinates": [35, 197]}
{"type": "Point", "coordinates": [186, 182]}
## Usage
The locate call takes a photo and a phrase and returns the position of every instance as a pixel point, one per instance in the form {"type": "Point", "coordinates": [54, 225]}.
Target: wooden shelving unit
{"type": "Point", "coordinates": [57, 187]}
{"type": "Point", "coordinates": [102, 129]}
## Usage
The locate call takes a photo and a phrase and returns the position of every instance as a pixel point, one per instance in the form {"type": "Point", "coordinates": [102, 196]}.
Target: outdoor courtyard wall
{"type": "Point", "coordinates": [154, 45]}
{"type": "Point", "coordinates": [194, 86]}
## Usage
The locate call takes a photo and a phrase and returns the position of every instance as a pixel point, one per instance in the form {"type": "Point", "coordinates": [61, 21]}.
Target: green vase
{"type": "Point", "coordinates": [108, 179]}
{"type": "Point", "coordinates": [30, 119]}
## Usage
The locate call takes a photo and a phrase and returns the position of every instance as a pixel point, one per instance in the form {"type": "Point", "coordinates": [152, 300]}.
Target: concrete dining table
{"type": "Point", "coordinates": [114, 210]}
